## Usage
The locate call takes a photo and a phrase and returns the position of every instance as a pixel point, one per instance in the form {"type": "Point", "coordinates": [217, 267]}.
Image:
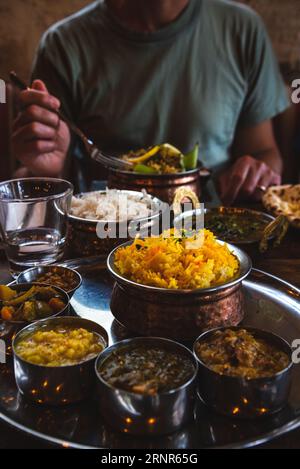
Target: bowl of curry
{"type": "Point", "coordinates": [147, 385]}
{"type": "Point", "coordinates": [239, 226]}
{"type": "Point", "coordinates": [243, 371]}
{"type": "Point", "coordinates": [54, 359]}
{"type": "Point", "coordinates": [60, 276]}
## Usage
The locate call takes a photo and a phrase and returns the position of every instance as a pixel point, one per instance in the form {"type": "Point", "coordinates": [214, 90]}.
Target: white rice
{"type": "Point", "coordinates": [113, 205]}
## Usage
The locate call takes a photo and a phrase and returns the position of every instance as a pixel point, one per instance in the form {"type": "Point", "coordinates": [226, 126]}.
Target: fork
{"type": "Point", "coordinates": [110, 162]}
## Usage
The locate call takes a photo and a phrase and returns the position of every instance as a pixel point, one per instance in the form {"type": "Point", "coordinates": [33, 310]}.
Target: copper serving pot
{"type": "Point", "coordinates": [83, 237]}
{"type": "Point", "coordinates": [178, 314]}
{"type": "Point", "coordinates": [162, 186]}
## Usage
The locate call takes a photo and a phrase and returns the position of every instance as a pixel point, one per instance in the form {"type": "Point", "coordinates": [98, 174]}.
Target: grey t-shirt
{"type": "Point", "coordinates": [195, 80]}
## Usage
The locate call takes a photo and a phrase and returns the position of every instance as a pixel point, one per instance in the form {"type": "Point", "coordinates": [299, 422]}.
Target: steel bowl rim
{"type": "Point", "coordinates": [235, 281]}
{"type": "Point", "coordinates": [231, 210]}
{"type": "Point", "coordinates": [127, 342]}
{"type": "Point", "coordinates": [51, 266]}
{"type": "Point", "coordinates": [161, 207]}
{"type": "Point", "coordinates": [28, 286]}
{"type": "Point", "coordinates": [58, 319]}
{"type": "Point", "coordinates": [240, 379]}
{"type": "Point", "coordinates": [67, 192]}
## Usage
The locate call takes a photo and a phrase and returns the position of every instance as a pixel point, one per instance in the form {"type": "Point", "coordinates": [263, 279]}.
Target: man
{"type": "Point", "coordinates": [133, 73]}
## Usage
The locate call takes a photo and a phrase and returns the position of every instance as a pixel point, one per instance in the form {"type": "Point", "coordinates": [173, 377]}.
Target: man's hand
{"type": "Point", "coordinates": [241, 181]}
{"type": "Point", "coordinates": [40, 139]}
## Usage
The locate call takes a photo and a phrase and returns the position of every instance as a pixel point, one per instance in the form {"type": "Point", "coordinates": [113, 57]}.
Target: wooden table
{"type": "Point", "coordinates": [283, 262]}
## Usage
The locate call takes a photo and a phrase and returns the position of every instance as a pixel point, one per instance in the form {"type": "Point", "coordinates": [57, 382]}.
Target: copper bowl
{"type": "Point", "coordinates": [83, 237]}
{"type": "Point", "coordinates": [178, 314]}
{"type": "Point", "coordinates": [162, 186]}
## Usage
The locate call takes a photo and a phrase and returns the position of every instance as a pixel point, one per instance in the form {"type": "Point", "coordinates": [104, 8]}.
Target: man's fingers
{"type": "Point", "coordinates": [30, 150]}
{"type": "Point", "coordinates": [252, 181]}
{"type": "Point", "coordinates": [234, 184]}
{"type": "Point", "coordinates": [266, 180]}
{"type": "Point", "coordinates": [42, 99]}
{"type": "Point", "coordinates": [39, 85]}
{"type": "Point", "coordinates": [36, 113]}
{"type": "Point", "coordinates": [34, 131]}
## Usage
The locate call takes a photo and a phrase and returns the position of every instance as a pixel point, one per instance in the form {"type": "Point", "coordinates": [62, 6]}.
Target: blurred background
{"type": "Point", "coordinates": [22, 22]}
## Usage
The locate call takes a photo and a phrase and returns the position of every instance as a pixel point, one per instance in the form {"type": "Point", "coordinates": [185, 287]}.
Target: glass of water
{"type": "Point", "coordinates": [33, 220]}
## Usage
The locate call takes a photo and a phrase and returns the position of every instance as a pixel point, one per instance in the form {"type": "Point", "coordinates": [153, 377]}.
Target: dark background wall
{"type": "Point", "coordinates": [23, 21]}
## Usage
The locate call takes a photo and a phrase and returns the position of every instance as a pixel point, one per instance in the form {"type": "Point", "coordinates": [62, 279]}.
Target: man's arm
{"type": "Point", "coordinates": [257, 162]}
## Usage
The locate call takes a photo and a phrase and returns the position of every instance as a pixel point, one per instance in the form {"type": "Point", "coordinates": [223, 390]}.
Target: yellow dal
{"type": "Point", "coordinates": [59, 347]}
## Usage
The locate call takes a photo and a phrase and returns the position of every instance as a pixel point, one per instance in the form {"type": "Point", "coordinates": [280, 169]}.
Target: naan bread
{"type": "Point", "coordinates": [284, 200]}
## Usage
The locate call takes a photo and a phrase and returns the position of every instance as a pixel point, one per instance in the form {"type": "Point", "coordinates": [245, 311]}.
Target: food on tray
{"type": "Point", "coordinates": [112, 205]}
{"type": "Point", "coordinates": [146, 370]}
{"type": "Point", "coordinates": [235, 227]}
{"type": "Point", "coordinates": [162, 159]}
{"type": "Point", "coordinates": [37, 302]}
{"type": "Point", "coordinates": [59, 346]}
{"type": "Point", "coordinates": [239, 353]}
{"type": "Point", "coordinates": [174, 261]}
{"type": "Point", "coordinates": [62, 278]}
{"type": "Point", "coordinates": [284, 200]}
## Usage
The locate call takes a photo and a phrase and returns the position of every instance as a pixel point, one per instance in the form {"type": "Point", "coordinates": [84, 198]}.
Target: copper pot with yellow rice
{"type": "Point", "coordinates": [170, 287]}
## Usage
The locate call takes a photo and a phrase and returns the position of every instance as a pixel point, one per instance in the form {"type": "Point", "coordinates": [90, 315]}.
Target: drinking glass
{"type": "Point", "coordinates": [33, 221]}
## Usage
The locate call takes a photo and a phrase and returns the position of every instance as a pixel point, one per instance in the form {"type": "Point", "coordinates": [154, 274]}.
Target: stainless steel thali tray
{"type": "Point", "coordinates": [271, 304]}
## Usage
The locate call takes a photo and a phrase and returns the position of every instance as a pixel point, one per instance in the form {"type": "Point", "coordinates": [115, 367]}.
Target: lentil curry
{"type": "Point", "coordinates": [60, 346]}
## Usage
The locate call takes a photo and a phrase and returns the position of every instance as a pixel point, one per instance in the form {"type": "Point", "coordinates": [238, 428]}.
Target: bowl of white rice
{"type": "Point", "coordinates": [101, 220]}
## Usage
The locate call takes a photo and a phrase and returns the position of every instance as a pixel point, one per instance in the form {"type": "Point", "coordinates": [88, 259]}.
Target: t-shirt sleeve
{"type": "Point", "coordinates": [266, 92]}
{"type": "Point", "coordinates": [53, 64]}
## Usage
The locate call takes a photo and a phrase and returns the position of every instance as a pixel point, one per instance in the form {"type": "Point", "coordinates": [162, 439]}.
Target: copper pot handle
{"type": "Point", "coordinates": [184, 193]}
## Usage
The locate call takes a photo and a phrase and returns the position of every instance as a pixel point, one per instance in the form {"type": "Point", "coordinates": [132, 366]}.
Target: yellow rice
{"type": "Point", "coordinates": [169, 262]}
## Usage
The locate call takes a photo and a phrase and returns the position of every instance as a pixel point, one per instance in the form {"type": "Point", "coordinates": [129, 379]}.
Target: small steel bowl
{"type": "Point", "coordinates": [134, 413]}
{"type": "Point", "coordinates": [186, 218]}
{"type": "Point", "coordinates": [178, 314]}
{"type": "Point", "coordinates": [31, 275]}
{"type": "Point", "coordinates": [56, 385]}
{"type": "Point", "coordinates": [8, 329]}
{"type": "Point", "coordinates": [84, 240]}
{"type": "Point", "coordinates": [240, 397]}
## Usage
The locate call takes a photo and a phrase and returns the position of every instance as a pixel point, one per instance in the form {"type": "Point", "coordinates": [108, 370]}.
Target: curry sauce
{"type": "Point", "coordinates": [239, 353]}
{"type": "Point", "coordinates": [146, 370]}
